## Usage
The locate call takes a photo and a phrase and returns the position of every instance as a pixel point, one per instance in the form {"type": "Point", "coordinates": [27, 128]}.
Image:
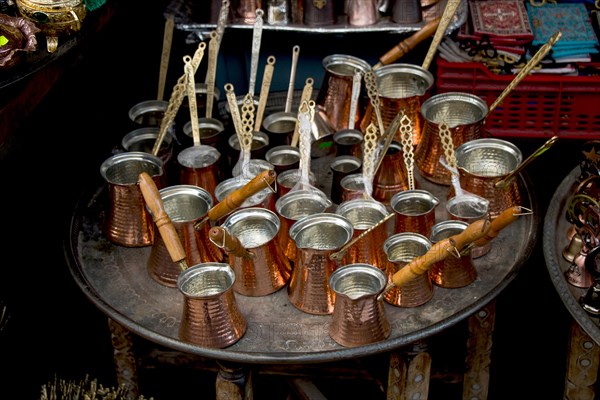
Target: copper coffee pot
{"type": "Point", "coordinates": [224, 207]}
{"type": "Point", "coordinates": [439, 251]}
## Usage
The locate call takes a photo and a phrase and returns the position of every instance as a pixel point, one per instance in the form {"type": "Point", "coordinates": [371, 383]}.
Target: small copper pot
{"type": "Point", "coordinates": [454, 271]}
{"type": "Point", "coordinates": [481, 164]}
{"type": "Point", "coordinates": [316, 236]}
{"type": "Point", "coordinates": [401, 87]}
{"type": "Point", "coordinates": [129, 222]}
{"type": "Point", "coordinates": [364, 214]}
{"type": "Point", "coordinates": [334, 97]}
{"type": "Point", "coordinates": [185, 205]}
{"type": "Point", "coordinates": [463, 113]}
{"type": "Point", "coordinates": [415, 211]}
{"type": "Point", "coordinates": [359, 314]}
{"type": "Point", "coordinates": [402, 248]}
{"type": "Point", "coordinates": [264, 269]}
{"type": "Point", "coordinates": [210, 315]}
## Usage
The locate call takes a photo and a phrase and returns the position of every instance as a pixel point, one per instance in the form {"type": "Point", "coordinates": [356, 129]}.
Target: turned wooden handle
{"type": "Point", "coordinates": [409, 43]}
{"type": "Point", "coordinates": [440, 250]}
{"type": "Point", "coordinates": [506, 218]}
{"type": "Point", "coordinates": [237, 197]}
{"type": "Point", "coordinates": [226, 241]}
{"type": "Point", "coordinates": [161, 219]}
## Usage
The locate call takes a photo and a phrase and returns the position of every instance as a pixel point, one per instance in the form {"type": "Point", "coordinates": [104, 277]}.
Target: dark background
{"type": "Point", "coordinates": [53, 330]}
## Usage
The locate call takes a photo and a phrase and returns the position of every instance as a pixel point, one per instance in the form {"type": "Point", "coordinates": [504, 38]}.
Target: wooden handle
{"type": "Point", "coordinates": [440, 250]}
{"type": "Point", "coordinates": [237, 197]}
{"type": "Point", "coordinates": [226, 241]}
{"type": "Point", "coordinates": [506, 218]}
{"type": "Point", "coordinates": [409, 43]}
{"type": "Point", "coordinates": [161, 219]}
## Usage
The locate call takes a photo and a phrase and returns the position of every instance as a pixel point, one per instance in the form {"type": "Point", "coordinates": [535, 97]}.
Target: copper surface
{"type": "Point", "coordinates": [391, 177]}
{"type": "Point", "coordinates": [401, 248]}
{"type": "Point", "coordinates": [362, 12]}
{"type": "Point", "coordinates": [210, 315]}
{"type": "Point", "coordinates": [334, 96]}
{"type": "Point", "coordinates": [455, 270]}
{"type": "Point", "coordinates": [129, 222]}
{"type": "Point", "coordinates": [483, 162]}
{"type": "Point", "coordinates": [401, 87]}
{"type": "Point", "coordinates": [316, 236]}
{"type": "Point", "coordinates": [359, 314]}
{"type": "Point", "coordinates": [415, 211]}
{"type": "Point", "coordinates": [463, 113]}
{"type": "Point", "coordinates": [199, 166]}
{"type": "Point", "coordinates": [365, 214]}
{"type": "Point", "coordinates": [348, 142]}
{"type": "Point", "coordinates": [267, 269]}
{"type": "Point", "coordinates": [342, 166]}
{"type": "Point", "coordinates": [185, 205]}
{"type": "Point", "coordinates": [293, 206]}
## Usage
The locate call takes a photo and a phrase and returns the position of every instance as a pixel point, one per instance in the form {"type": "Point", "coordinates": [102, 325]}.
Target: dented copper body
{"type": "Point", "coordinates": [402, 248]}
{"type": "Point", "coordinates": [481, 164]}
{"type": "Point", "coordinates": [463, 113]}
{"type": "Point", "coordinates": [185, 205]}
{"type": "Point", "coordinates": [264, 268]}
{"type": "Point", "coordinates": [128, 222]}
{"type": "Point", "coordinates": [316, 236]}
{"type": "Point", "coordinates": [210, 315]}
{"type": "Point", "coordinates": [359, 314]}
{"type": "Point", "coordinates": [365, 214]}
{"type": "Point", "coordinates": [456, 270]}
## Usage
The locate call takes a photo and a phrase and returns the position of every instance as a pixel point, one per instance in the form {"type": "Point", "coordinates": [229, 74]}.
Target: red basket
{"type": "Point", "coordinates": [539, 106]}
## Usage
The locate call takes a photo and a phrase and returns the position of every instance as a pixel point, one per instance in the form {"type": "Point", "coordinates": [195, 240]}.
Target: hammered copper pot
{"type": "Point", "coordinates": [365, 214]}
{"type": "Point", "coordinates": [464, 114]}
{"type": "Point", "coordinates": [401, 88]}
{"type": "Point", "coordinates": [264, 269]}
{"type": "Point", "coordinates": [334, 96]}
{"type": "Point", "coordinates": [317, 236]}
{"type": "Point", "coordinates": [481, 164]}
{"type": "Point", "coordinates": [185, 205]}
{"type": "Point", "coordinates": [453, 271]}
{"type": "Point", "coordinates": [128, 222]}
{"type": "Point", "coordinates": [402, 248]}
{"type": "Point", "coordinates": [210, 314]}
{"type": "Point", "coordinates": [359, 313]}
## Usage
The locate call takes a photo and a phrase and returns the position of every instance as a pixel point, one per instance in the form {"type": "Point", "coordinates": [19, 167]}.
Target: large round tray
{"type": "Point", "coordinates": [116, 280]}
{"type": "Point", "coordinates": [554, 241]}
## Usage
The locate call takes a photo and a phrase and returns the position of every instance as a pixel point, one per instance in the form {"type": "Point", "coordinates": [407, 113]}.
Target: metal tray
{"type": "Point", "coordinates": [116, 280]}
{"type": "Point", "coordinates": [554, 241]}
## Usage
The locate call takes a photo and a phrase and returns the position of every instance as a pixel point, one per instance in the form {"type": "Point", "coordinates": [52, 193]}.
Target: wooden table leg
{"type": "Point", "coordinates": [476, 379]}
{"type": "Point", "coordinates": [583, 359]}
{"type": "Point", "coordinates": [233, 382]}
{"type": "Point", "coordinates": [409, 373]}
{"type": "Point", "coordinates": [125, 362]}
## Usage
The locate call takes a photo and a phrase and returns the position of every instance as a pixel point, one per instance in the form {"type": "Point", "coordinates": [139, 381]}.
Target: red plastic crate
{"type": "Point", "coordinates": [539, 106]}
